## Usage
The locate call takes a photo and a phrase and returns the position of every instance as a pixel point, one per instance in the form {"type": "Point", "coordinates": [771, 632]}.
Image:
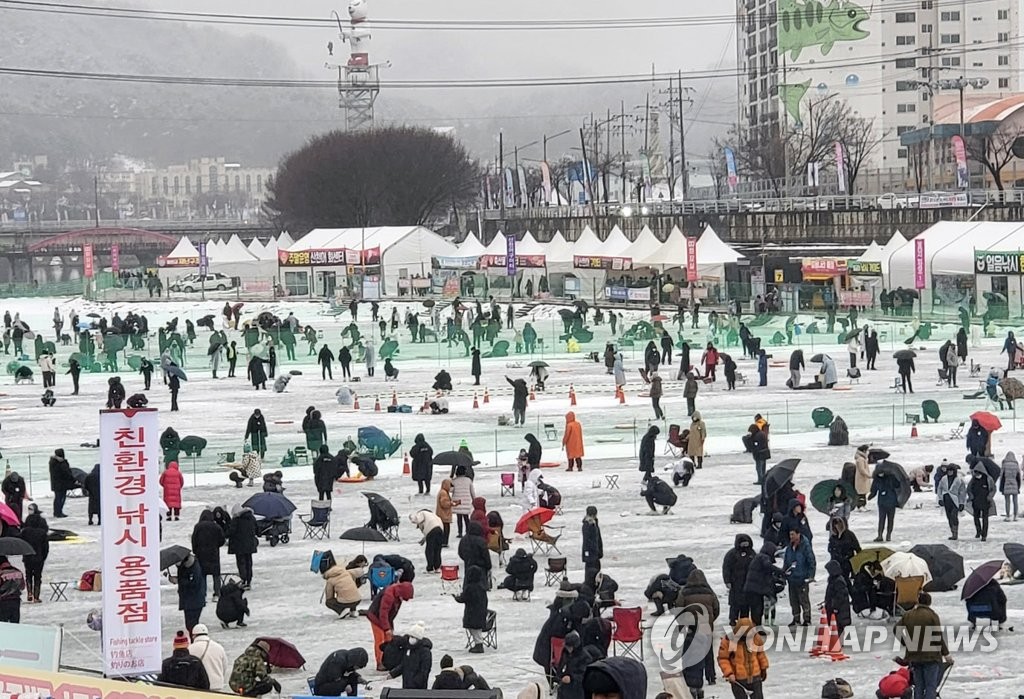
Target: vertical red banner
{"type": "Point", "coordinates": [87, 261]}
{"type": "Point", "coordinates": [115, 258]}
{"type": "Point", "coordinates": [691, 260]}
{"type": "Point", "coordinates": [919, 264]}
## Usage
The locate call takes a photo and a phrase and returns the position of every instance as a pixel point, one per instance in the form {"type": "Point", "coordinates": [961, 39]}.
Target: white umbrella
{"type": "Point", "coordinates": [906, 565]}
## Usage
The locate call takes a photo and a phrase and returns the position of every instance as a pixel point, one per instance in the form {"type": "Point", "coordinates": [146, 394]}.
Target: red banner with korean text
{"type": "Point", "coordinates": [115, 258]}
{"type": "Point", "coordinates": [88, 263]}
{"type": "Point", "coordinates": [130, 509]}
{"type": "Point", "coordinates": [692, 274]}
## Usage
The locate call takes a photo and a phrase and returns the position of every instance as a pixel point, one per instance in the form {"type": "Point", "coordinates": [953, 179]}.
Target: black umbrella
{"type": "Point", "coordinates": [79, 476]}
{"type": "Point", "coordinates": [893, 469]}
{"type": "Point", "coordinates": [270, 506]}
{"type": "Point", "coordinates": [566, 313]}
{"type": "Point", "coordinates": [453, 458]}
{"type": "Point", "coordinates": [876, 454]}
{"type": "Point", "coordinates": [779, 474]}
{"type": "Point", "coordinates": [172, 556]}
{"type": "Point", "coordinates": [1015, 555]}
{"type": "Point", "coordinates": [945, 565]}
{"type": "Point", "coordinates": [538, 363]}
{"type": "Point", "coordinates": [980, 577]}
{"type": "Point", "coordinates": [904, 354]}
{"type": "Point", "coordinates": [910, 293]}
{"type": "Point", "coordinates": [364, 535]}
{"type": "Point", "coordinates": [13, 546]}
{"type": "Point", "coordinates": [93, 315]}
{"type": "Point", "coordinates": [429, 303]}
{"type": "Point", "coordinates": [818, 358]}
{"type": "Point", "coordinates": [988, 465]}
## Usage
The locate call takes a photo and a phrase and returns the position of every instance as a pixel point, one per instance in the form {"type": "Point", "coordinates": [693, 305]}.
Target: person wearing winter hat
{"type": "Point", "coordinates": [593, 546]}
{"type": "Point", "coordinates": [250, 675]}
{"type": "Point", "coordinates": [573, 664]}
{"type": "Point", "coordinates": [182, 668]}
{"type": "Point", "coordinates": [450, 676]}
{"type": "Point", "coordinates": [339, 673]}
{"type": "Point", "coordinates": [414, 669]}
{"type": "Point", "coordinates": [211, 654]}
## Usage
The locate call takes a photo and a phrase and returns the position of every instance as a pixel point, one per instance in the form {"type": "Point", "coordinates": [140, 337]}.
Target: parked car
{"type": "Point", "coordinates": [897, 201]}
{"type": "Point", "coordinates": [196, 282]}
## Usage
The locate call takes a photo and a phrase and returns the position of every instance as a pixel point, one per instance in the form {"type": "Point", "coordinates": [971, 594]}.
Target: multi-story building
{"type": "Point", "coordinates": [885, 58]}
{"type": "Point", "coordinates": [204, 183]}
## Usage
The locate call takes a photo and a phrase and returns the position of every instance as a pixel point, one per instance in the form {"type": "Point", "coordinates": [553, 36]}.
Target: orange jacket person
{"type": "Point", "coordinates": [572, 441]}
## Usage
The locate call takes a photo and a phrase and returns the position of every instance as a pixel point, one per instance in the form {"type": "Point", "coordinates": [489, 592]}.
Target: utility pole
{"type": "Point", "coordinates": [586, 176]}
{"type": "Point", "coordinates": [685, 175]}
{"type": "Point", "coordinates": [501, 173]}
{"type": "Point", "coordinates": [622, 146]}
{"type": "Point", "coordinates": [96, 197]}
{"type": "Point", "coordinates": [671, 144]}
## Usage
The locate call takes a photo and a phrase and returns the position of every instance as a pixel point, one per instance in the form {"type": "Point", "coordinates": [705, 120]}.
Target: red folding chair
{"type": "Point", "coordinates": [626, 632]}
{"type": "Point", "coordinates": [508, 484]}
{"type": "Point", "coordinates": [557, 645]}
{"type": "Point", "coordinates": [449, 577]}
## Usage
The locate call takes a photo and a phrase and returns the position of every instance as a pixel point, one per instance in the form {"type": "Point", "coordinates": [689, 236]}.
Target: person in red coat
{"type": "Point", "coordinates": [172, 482]}
{"type": "Point", "coordinates": [382, 613]}
{"type": "Point", "coordinates": [895, 685]}
{"type": "Point", "coordinates": [480, 515]}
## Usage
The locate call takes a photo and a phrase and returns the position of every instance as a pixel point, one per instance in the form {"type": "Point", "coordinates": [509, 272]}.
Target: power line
{"type": "Point", "coordinates": [532, 25]}
{"type": "Point", "coordinates": [478, 83]}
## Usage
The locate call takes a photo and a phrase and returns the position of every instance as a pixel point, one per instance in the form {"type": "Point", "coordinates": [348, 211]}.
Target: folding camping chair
{"type": "Point", "coordinates": [979, 611]}
{"type": "Point", "coordinates": [907, 591]}
{"type": "Point", "coordinates": [558, 568]}
{"type": "Point", "coordinates": [544, 548]}
{"type": "Point", "coordinates": [627, 633]}
{"type": "Point", "coordinates": [975, 370]}
{"type": "Point", "coordinates": [318, 521]}
{"type": "Point", "coordinates": [675, 445]}
{"type": "Point", "coordinates": [957, 432]}
{"type": "Point", "coordinates": [490, 631]}
{"type": "Point", "coordinates": [301, 454]}
{"type": "Point", "coordinates": [449, 578]}
{"type": "Point", "coordinates": [508, 484]}
{"type": "Point", "coordinates": [380, 577]}
{"type": "Point", "coordinates": [550, 431]}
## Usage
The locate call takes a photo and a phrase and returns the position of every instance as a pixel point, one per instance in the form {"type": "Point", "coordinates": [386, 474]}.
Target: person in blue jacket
{"type": "Point", "coordinates": [799, 565]}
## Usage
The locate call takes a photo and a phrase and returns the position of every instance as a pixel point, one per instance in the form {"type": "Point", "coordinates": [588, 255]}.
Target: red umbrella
{"type": "Point", "coordinates": [8, 516]}
{"type": "Point", "coordinates": [543, 513]}
{"type": "Point", "coordinates": [659, 318]}
{"type": "Point", "coordinates": [988, 421]}
{"type": "Point", "coordinates": [283, 654]}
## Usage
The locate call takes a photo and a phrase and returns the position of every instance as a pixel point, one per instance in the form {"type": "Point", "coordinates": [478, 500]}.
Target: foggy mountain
{"type": "Point", "coordinates": [77, 119]}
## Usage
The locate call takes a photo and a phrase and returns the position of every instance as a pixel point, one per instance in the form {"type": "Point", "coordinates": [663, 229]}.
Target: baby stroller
{"type": "Point", "coordinates": [383, 516]}
{"type": "Point", "coordinates": [274, 530]}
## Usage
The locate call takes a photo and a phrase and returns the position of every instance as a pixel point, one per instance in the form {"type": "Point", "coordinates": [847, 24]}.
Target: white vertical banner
{"type": "Point", "coordinates": [129, 505]}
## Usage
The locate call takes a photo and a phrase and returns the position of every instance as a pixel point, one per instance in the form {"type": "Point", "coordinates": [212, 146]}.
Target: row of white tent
{"type": "Point", "coordinates": [644, 252]}
{"type": "Point", "coordinates": [231, 257]}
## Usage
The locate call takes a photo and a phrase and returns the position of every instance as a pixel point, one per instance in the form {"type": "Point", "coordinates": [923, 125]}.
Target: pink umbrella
{"type": "Point", "coordinates": [8, 516]}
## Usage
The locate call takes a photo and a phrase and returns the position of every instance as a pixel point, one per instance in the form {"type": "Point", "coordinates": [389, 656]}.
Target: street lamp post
{"type": "Point", "coordinates": [960, 84]}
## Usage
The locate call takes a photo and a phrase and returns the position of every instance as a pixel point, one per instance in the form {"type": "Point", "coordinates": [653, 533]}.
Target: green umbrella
{"type": "Point", "coordinates": [823, 490]}
{"type": "Point", "coordinates": [878, 554]}
{"type": "Point", "coordinates": [113, 344]}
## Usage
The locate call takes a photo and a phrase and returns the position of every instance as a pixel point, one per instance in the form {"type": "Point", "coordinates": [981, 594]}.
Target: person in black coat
{"type": "Point", "coordinates": [403, 566]}
{"type": "Point", "coordinates": [905, 367]}
{"type": "Point", "coordinates": [345, 359]}
{"type": "Point", "coordinates": [520, 571]}
{"type": "Point", "coordinates": [734, 574]}
{"type": "Point", "coordinates": [572, 665]}
{"type": "Point", "coordinates": [843, 545]}
{"type": "Point", "coordinates": [659, 493]}
{"type": "Point", "coordinates": [207, 540]}
{"type": "Point", "coordinates": [174, 385]}
{"type": "Point", "coordinates": [837, 596]}
{"type": "Point", "coordinates": [256, 373]}
{"type": "Point", "coordinates": [341, 467]}
{"type": "Point", "coordinates": [593, 546]}
{"type": "Point", "coordinates": [871, 349]}
{"type": "Point", "coordinates": [75, 369]}
{"type": "Point", "coordinates": [115, 392]}
{"type": "Point", "coordinates": [92, 489]}
{"type": "Point", "coordinates": [473, 548]}
{"type": "Point", "coordinates": [35, 532]}
{"type": "Point", "coordinates": [961, 344]}
{"type": "Point", "coordinates": [182, 669]}
{"type": "Point", "coordinates": [684, 361]}
{"type": "Point", "coordinates": [256, 432]}
{"type": "Point", "coordinates": [324, 358]}
{"type": "Point", "coordinates": [520, 392]}
{"type": "Point", "coordinates": [647, 447]}
{"type": "Point", "coordinates": [191, 590]}
{"type": "Point", "coordinates": [795, 518]}
{"type": "Point", "coordinates": [760, 583]}
{"type": "Point", "coordinates": [757, 444]}
{"type": "Point", "coordinates": [61, 481]}
{"type": "Point", "coordinates": [652, 358]}
{"type": "Point", "coordinates": [325, 472]}
{"type": "Point", "coordinates": [977, 439]}
{"type": "Point", "coordinates": [988, 602]}
{"type": "Point", "coordinates": [443, 381]}
{"type": "Point", "coordinates": [476, 369]}
{"type": "Point", "coordinates": [14, 489]}
{"type": "Point", "coordinates": [414, 669]}
{"type": "Point", "coordinates": [474, 601]}
{"type": "Point", "coordinates": [232, 607]}
{"type": "Point", "coordinates": [422, 456]}
{"type": "Point", "coordinates": [242, 542]}
{"type": "Point", "coordinates": [339, 673]}
{"type": "Point", "coordinates": [534, 451]}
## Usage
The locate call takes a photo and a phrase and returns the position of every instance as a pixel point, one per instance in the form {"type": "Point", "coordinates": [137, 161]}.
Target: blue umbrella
{"type": "Point", "coordinates": [270, 506]}
{"type": "Point", "coordinates": [175, 370]}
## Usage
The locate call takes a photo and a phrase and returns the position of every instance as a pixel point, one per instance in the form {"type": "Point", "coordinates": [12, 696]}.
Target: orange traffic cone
{"type": "Point", "coordinates": [355, 401]}
{"type": "Point", "coordinates": [376, 404]}
{"type": "Point", "coordinates": [394, 398]}
{"type": "Point", "coordinates": [572, 395]}
{"type": "Point", "coordinates": [487, 396]}
{"type": "Point", "coordinates": [913, 431]}
{"type": "Point", "coordinates": [476, 403]}
{"type": "Point", "coordinates": [405, 465]}
{"type": "Point", "coordinates": [822, 644]}
{"type": "Point", "coordinates": [835, 650]}
{"type": "Point", "coordinates": [533, 396]}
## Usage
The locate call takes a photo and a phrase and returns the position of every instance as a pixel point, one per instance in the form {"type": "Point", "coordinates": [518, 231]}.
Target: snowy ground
{"type": "Point", "coordinates": [285, 595]}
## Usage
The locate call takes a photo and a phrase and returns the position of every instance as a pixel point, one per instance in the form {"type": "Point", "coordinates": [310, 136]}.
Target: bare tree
{"type": "Point", "coordinates": [994, 151]}
{"type": "Point", "coordinates": [719, 173]}
{"type": "Point", "coordinates": [758, 156]}
{"type": "Point", "coordinates": [560, 177]}
{"type": "Point", "coordinates": [814, 141]}
{"type": "Point", "coordinates": [396, 176]}
{"type": "Point", "coordinates": [859, 140]}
